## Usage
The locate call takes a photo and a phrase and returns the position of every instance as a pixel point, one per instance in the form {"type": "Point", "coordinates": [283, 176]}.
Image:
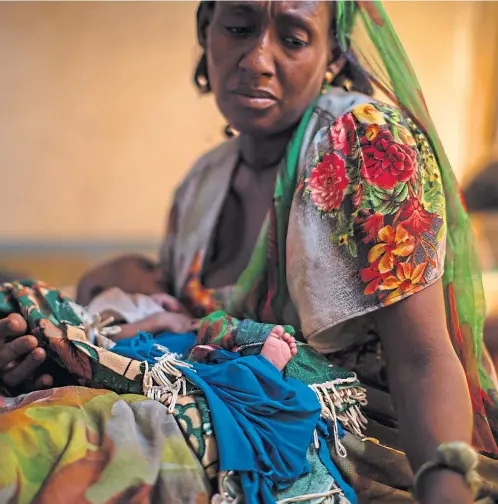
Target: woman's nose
{"type": "Point", "coordinates": [259, 58]}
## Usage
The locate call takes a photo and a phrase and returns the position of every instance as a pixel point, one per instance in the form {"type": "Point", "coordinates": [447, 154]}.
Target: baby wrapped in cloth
{"type": "Point", "coordinates": [270, 427]}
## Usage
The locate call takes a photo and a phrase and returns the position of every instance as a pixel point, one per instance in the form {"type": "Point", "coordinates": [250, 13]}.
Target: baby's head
{"type": "Point", "coordinates": [133, 274]}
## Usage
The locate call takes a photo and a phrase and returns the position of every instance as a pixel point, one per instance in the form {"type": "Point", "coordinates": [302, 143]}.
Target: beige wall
{"type": "Point", "coordinates": [99, 119]}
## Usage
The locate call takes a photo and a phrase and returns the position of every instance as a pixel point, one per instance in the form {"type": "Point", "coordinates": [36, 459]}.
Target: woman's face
{"type": "Point", "coordinates": [267, 61]}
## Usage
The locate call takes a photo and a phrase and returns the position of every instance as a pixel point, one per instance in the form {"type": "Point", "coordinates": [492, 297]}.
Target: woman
{"type": "Point", "coordinates": [353, 248]}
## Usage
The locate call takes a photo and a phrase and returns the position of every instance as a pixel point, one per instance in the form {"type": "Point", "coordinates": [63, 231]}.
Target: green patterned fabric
{"type": "Point", "coordinates": [311, 367]}
{"type": "Point", "coordinates": [58, 325]}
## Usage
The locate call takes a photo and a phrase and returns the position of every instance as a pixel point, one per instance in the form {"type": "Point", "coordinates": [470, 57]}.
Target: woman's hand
{"type": "Point", "coordinates": [159, 322]}
{"type": "Point", "coordinates": [20, 355]}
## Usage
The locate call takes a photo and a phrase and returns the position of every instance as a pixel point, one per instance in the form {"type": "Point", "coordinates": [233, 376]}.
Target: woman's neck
{"type": "Point", "coordinates": [261, 153]}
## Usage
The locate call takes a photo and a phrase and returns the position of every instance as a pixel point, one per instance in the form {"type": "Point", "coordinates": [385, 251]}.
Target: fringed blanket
{"type": "Point", "coordinates": [127, 453]}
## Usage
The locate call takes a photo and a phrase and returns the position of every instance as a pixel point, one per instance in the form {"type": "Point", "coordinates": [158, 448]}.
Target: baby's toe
{"type": "Point", "coordinates": [287, 338]}
{"type": "Point", "coordinates": [277, 331]}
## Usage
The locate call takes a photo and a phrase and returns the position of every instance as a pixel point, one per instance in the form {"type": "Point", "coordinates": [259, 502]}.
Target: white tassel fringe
{"type": "Point", "coordinates": [332, 400]}
{"type": "Point", "coordinates": [157, 385]}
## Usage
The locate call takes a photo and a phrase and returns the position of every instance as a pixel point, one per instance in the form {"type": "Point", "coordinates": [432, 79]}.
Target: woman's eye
{"type": "Point", "coordinates": [238, 31]}
{"type": "Point", "coordinates": [294, 42]}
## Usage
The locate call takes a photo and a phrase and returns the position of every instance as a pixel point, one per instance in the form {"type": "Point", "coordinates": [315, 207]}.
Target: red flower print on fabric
{"type": "Point", "coordinates": [378, 182]}
{"type": "Point", "coordinates": [386, 162]}
{"type": "Point", "coordinates": [415, 218]}
{"type": "Point", "coordinates": [373, 278]}
{"type": "Point", "coordinates": [371, 226]}
{"type": "Point", "coordinates": [327, 183]}
{"type": "Point", "coordinates": [343, 134]}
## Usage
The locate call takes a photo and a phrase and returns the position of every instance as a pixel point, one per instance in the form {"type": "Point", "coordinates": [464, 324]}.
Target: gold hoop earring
{"type": "Point", "coordinates": [229, 131]}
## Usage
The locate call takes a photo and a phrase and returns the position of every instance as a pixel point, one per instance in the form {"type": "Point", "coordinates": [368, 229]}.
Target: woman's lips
{"type": "Point", "coordinates": [255, 99]}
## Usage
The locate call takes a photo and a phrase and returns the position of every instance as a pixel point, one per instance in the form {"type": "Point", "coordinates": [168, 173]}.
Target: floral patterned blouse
{"type": "Point", "coordinates": [371, 203]}
{"type": "Point", "coordinates": [366, 227]}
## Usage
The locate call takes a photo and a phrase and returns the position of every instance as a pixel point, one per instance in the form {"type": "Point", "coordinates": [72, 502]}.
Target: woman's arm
{"type": "Point", "coordinates": [428, 386]}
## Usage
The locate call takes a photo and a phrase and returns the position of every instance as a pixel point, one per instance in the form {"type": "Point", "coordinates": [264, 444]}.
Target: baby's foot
{"type": "Point", "coordinates": [279, 347]}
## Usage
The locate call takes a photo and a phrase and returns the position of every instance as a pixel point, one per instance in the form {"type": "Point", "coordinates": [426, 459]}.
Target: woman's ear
{"type": "Point", "coordinates": [337, 60]}
{"type": "Point", "coordinates": [204, 16]}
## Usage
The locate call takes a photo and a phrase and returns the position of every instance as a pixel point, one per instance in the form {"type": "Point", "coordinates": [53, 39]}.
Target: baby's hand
{"type": "Point", "coordinates": [159, 322]}
{"type": "Point", "coordinates": [170, 322]}
{"type": "Point", "coordinates": [169, 303]}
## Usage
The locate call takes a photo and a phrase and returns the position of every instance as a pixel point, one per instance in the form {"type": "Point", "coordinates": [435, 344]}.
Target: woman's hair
{"type": "Point", "coordinates": [351, 76]}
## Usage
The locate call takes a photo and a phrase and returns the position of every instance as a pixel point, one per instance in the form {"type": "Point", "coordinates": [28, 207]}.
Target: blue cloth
{"type": "Point", "coordinates": [263, 422]}
{"type": "Point", "coordinates": [143, 347]}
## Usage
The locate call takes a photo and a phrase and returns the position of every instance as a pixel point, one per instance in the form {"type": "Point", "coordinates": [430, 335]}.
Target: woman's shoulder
{"type": "Point", "coordinates": [375, 154]}
{"type": "Point", "coordinates": [338, 103]}
{"type": "Point", "coordinates": [341, 115]}
{"type": "Point", "coordinates": [357, 128]}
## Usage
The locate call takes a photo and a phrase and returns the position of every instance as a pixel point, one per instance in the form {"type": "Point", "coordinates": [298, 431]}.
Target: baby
{"type": "Point", "coordinates": [131, 273]}
{"type": "Point", "coordinates": [136, 309]}
{"type": "Point", "coordinates": [138, 279]}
